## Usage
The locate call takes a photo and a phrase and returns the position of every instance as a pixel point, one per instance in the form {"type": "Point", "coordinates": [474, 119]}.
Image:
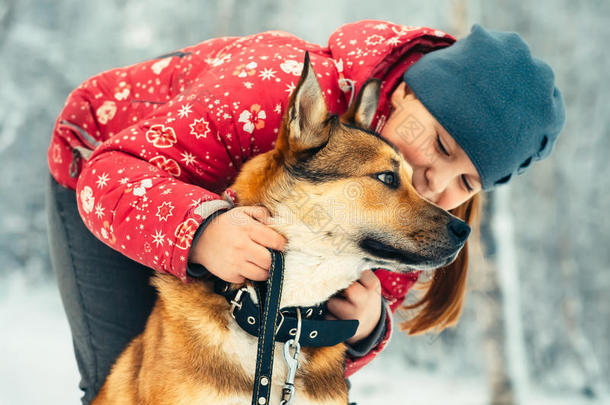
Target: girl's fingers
{"type": "Point", "coordinates": [369, 279]}
{"type": "Point", "coordinates": [258, 255]}
{"type": "Point", "coordinates": [237, 279]}
{"type": "Point", "coordinates": [355, 292]}
{"type": "Point", "coordinates": [340, 308]}
{"type": "Point", "coordinates": [330, 317]}
{"type": "Point", "coordinates": [253, 272]}
{"type": "Point", "coordinates": [261, 214]}
{"type": "Point", "coordinates": [266, 236]}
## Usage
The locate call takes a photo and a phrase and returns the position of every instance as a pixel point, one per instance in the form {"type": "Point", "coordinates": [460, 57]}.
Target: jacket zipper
{"type": "Point", "coordinates": [80, 152]}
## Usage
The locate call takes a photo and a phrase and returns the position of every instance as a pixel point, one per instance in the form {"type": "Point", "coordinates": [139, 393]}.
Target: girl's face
{"type": "Point", "coordinates": [442, 172]}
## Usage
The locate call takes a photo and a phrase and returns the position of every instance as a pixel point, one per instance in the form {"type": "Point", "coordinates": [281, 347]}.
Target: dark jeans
{"type": "Point", "coordinates": [106, 296]}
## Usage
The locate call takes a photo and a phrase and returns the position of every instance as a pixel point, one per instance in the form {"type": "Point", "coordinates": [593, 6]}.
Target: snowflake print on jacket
{"type": "Point", "coordinates": [200, 128]}
{"type": "Point", "coordinates": [164, 210]}
{"type": "Point", "coordinates": [164, 161]}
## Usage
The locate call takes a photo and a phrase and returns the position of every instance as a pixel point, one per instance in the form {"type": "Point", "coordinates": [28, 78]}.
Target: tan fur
{"type": "Point", "coordinates": [193, 352]}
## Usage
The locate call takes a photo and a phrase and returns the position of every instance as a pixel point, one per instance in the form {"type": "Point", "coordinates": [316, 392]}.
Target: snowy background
{"type": "Point", "coordinates": [536, 324]}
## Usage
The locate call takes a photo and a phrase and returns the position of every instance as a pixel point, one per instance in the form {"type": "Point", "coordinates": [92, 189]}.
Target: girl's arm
{"type": "Point", "coordinates": [147, 188]}
{"type": "Point", "coordinates": [172, 142]}
{"type": "Point", "coordinates": [394, 288]}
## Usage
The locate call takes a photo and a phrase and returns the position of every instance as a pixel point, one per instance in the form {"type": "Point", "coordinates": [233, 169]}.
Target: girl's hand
{"type": "Point", "coordinates": [362, 302]}
{"type": "Point", "coordinates": [233, 245]}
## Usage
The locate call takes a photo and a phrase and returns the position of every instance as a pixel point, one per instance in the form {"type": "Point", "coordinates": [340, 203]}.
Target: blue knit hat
{"type": "Point", "coordinates": [498, 102]}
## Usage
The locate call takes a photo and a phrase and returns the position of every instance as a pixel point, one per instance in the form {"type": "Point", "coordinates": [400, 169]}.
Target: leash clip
{"type": "Point", "coordinates": [292, 360]}
{"type": "Point", "coordinates": [236, 302]}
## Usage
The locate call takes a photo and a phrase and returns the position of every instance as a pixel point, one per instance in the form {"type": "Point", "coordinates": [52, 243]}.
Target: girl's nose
{"type": "Point", "coordinates": [437, 180]}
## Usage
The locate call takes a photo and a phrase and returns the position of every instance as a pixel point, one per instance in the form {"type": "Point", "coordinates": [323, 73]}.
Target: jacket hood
{"type": "Point", "coordinates": [380, 49]}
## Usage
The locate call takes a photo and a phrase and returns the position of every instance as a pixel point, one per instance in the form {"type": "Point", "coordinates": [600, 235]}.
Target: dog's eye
{"type": "Point", "coordinates": [388, 178]}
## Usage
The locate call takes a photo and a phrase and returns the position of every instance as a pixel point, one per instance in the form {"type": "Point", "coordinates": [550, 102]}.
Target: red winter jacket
{"type": "Point", "coordinates": [171, 134]}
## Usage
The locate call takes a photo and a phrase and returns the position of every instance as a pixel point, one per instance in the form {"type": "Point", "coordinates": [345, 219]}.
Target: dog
{"type": "Point", "coordinates": [342, 197]}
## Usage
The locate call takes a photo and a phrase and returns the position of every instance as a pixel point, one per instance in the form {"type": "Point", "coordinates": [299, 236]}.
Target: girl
{"type": "Point", "coordinates": [141, 155]}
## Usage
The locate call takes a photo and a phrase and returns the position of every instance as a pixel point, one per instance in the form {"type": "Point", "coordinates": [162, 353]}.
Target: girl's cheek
{"type": "Point", "coordinates": [410, 156]}
{"type": "Point", "coordinates": [452, 199]}
{"type": "Point", "coordinates": [445, 203]}
{"type": "Point", "coordinates": [418, 154]}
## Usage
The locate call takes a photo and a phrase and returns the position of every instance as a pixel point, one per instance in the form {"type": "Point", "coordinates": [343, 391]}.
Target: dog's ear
{"type": "Point", "coordinates": [307, 112]}
{"type": "Point", "coordinates": [362, 111]}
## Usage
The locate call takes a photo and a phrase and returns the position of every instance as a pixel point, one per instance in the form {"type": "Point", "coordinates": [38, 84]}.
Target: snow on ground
{"type": "Point", "coordinates": [37, 364]}
{"type": "Point", "coordinates": [386, 381]}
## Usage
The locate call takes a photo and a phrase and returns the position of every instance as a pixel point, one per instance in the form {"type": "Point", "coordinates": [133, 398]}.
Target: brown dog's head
{"type": "Point", "coordinates": [337, 188]}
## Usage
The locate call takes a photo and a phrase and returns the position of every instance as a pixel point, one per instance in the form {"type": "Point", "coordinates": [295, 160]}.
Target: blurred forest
{"type": "Point", "coordinates": [537, 318]}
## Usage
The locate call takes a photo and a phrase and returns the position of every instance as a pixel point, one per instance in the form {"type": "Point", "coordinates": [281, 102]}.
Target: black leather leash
{"type": "Point", "coordinates": [296, 327]}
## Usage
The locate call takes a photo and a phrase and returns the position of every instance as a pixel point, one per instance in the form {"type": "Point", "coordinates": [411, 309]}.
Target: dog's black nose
{"type": "Point", "coordinates": [459, 230]}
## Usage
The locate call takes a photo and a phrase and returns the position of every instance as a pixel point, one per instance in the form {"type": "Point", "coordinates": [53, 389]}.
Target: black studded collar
{"type": "Point", "coordinates": [315, 330]}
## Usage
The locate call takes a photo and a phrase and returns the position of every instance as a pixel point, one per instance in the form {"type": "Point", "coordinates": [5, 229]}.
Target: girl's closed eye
{"type": "Point", "coordinates": [441, 146]}
{"type": "Point", "coordinates": [468, 187]}
{"type": "Point", "coordinates": [445, 152]}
